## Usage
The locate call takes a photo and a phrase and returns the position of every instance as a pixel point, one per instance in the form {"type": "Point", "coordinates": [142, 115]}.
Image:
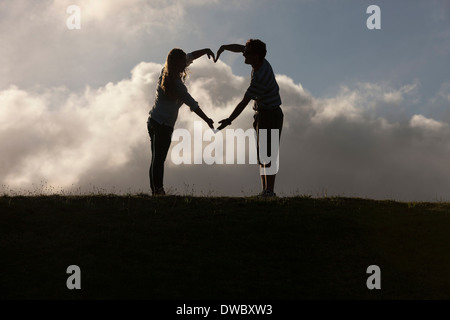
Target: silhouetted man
{"type": "Point", "coordinates": [264, 91]}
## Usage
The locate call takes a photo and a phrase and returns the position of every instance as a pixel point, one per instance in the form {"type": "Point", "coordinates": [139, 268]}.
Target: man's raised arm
{"type": "Point", "coordinates": [229, 47]}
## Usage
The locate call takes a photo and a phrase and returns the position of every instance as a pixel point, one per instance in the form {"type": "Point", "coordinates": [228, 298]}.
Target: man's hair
{"type": "Point", "coordinates": [257, 46]}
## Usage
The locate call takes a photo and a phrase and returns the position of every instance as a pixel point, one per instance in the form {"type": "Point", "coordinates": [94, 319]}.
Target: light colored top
{"type": "Point", "coordinates": [165, 109]}
{"type": "Point", "coordinates": [264, 88]}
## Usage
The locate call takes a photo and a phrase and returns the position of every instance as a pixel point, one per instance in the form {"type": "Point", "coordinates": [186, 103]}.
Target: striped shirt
{"type": "Point", "coordinates": [264, 88]}
{"type": "Point", "coordinates": [165, 109]}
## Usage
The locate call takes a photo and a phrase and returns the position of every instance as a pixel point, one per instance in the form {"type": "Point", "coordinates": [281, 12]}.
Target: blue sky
{"type": "Point", "coordinates": [319, 43]}
{"type": "Point", "coordinates": [324, 44]}
{"type": "Point", "coordinates": [366, 111]}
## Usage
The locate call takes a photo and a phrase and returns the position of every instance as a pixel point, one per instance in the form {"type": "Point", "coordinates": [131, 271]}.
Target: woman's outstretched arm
{"type": "Point", "coordinates": [202, 115]}
{"type": "Point", "coordinates": [198, 53]}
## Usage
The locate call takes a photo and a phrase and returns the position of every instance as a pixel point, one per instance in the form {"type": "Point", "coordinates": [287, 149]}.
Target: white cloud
{"type": "Point", "coordinates": [419, 121]}
{"type": "Point", "coordinates": [39, 50]}
{"type": "Point", "coordinates": [347, 144]}
{"type": "Point", "coordinates": [344, 106]}
{"type": "Point", "coordinates": [444, 92]}
{"type": "Point", "coordinates": [41, 142]}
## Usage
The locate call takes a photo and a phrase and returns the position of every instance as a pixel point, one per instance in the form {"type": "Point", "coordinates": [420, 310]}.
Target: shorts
{"type": "Point", "coordinates": [264, 119]}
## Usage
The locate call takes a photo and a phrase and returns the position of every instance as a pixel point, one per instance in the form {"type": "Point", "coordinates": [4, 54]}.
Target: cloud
{"type": "Point", "coordinates": [419, 121]}
{"type": "Point", "coordinates": [349, 144]}
{"type": "Point", "coordinates": [129, 17]}
{"type": "Point", "coordinates": [444, 92]}
{"type": "Point", "coordinates": [38, 50]}
{"type": "Point", "coordinates": [57, 136]}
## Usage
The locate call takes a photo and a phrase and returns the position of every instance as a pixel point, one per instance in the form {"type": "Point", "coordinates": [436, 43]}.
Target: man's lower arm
{"type": "Point", "coordinates": [237, 111]}
{"type": "Point", "coordinates": [234, 47]}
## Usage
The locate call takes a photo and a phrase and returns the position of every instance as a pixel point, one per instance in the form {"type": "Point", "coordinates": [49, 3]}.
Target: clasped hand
{"type": "Point", "coordinates": [223, 123]}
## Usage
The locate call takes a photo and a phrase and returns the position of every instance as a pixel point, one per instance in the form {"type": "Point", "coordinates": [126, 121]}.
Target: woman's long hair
{"type": "Point", "coordinates": [172, 71]}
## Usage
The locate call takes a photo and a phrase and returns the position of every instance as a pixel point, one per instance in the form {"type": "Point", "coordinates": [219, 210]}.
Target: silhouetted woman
{"type": "Point", "coordinates": [171, 94]}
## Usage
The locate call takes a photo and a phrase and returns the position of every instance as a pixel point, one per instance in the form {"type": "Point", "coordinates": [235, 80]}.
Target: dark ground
{"type": "Point", "coordinates": [177, 247]}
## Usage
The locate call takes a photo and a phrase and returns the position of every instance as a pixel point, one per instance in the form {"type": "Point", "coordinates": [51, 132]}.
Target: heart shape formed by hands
{"type": "Point", "coordinates": [234, 48]}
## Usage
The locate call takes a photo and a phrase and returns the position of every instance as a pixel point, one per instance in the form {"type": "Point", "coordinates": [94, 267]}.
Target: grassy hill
{"type": "Point", "coordinates": [180, 247]}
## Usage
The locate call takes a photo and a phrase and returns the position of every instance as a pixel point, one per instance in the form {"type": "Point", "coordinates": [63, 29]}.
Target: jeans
{"type": "Point", "coordinates": [160, 138]}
